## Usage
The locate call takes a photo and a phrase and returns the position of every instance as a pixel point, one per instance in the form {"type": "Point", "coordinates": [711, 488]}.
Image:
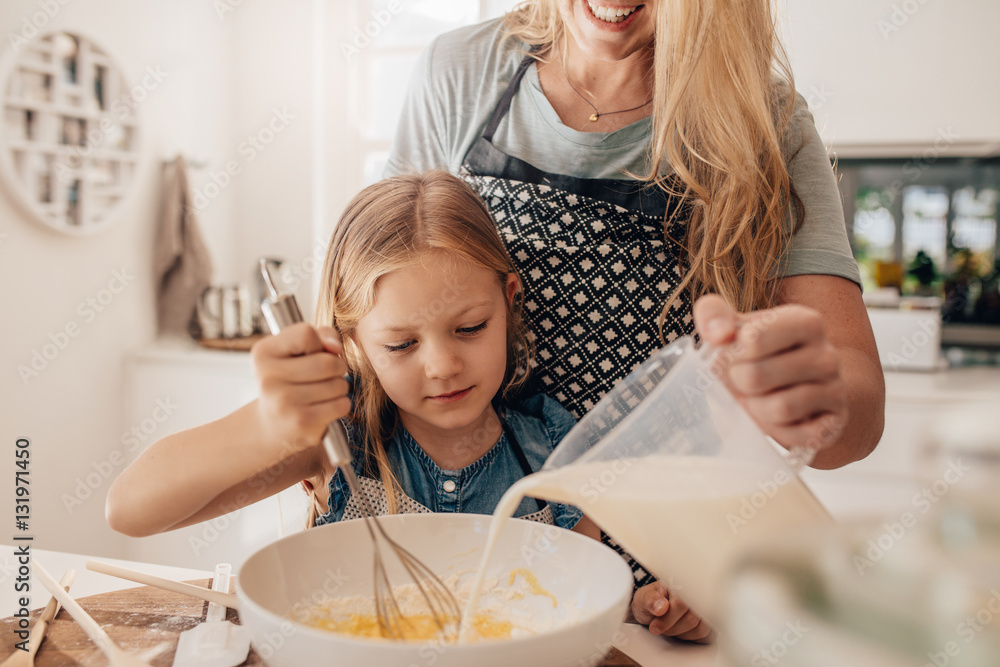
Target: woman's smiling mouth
{"type": "Point", "coordinates": [612, 14]}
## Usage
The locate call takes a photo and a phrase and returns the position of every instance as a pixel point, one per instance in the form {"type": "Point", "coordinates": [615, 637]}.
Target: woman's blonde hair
{"type": "Point", "coordinates": [723, 98]}
{"type": "Point", "coordinates": [387, 226]}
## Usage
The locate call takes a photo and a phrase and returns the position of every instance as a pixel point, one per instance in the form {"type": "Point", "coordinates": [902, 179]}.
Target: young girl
{"type": "Point", "coordinates": [425, 312]}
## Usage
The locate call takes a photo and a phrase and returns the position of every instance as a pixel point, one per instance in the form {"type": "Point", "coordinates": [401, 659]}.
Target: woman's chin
{"type": "Point", "coordinates": [612, 42]}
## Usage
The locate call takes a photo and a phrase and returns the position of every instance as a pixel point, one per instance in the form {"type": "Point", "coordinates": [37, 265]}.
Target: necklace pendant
{"type": "Point", "coordinates": [594, 117]}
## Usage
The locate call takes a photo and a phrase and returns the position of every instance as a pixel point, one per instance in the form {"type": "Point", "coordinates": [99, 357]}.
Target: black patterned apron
{"type": "Point", "coordinates": [595, 262]}
{"type": "Point", "coordinates": [596, 265]}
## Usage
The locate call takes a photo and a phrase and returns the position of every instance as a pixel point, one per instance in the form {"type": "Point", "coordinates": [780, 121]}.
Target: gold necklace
{"type": "Point", "coordinates": [594, 117]}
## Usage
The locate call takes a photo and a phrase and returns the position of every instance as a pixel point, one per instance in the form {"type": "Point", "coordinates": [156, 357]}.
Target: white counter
{"type": "Point", "coordinates": [887, 481]}
{"type": "Point", "coordinates": [952, 385]}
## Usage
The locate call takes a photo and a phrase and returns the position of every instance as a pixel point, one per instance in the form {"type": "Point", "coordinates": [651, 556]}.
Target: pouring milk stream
{"type": "Point", "coordinates": [671, 467]}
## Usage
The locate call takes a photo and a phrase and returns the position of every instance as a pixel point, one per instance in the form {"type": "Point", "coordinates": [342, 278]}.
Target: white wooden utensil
{"type": "Point", "coordinates": [27, 658]}
{"type": "Point", "coordinates": [216, 642]}
{"type": "Point", "coordinates": [218, 597]}
{"type": "Point", "coordinates": [118, 657]}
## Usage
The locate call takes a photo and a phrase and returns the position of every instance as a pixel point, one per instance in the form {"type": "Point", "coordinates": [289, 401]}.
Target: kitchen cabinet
{"type": "Point", "coordinates": [174, 386]}
{"type": "Point", "coordinates": [909, 78]}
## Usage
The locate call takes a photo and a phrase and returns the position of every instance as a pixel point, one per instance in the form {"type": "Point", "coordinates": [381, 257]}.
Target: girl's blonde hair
{"type": "Point", "coordinates": [723, 97]}
{"type": "Point", "coordinates": [387, 226]}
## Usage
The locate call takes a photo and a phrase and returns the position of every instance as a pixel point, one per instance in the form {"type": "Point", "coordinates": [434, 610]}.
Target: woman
{"type": "Point", "coordinates": [653, 173]}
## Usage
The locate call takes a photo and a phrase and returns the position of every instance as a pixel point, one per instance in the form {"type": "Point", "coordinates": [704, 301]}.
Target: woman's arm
{"type": "Point", "coordinates": [807, 370]}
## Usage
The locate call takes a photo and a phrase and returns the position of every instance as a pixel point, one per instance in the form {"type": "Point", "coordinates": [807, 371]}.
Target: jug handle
{"type": "Point", "coordinates": [797, 457]}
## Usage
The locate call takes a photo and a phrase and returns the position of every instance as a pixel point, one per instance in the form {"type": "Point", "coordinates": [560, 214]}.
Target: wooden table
{"type": "Point", "coordinates": [144, 621]}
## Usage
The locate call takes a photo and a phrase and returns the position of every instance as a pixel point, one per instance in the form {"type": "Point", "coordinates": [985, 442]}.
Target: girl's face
{"type": "Point", "coordinates": [601, 34]}
{"type": "Point", "coordinates": [437, 339]}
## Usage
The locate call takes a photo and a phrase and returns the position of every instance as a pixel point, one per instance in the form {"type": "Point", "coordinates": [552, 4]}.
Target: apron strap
{"type": "Point", "coordinates": [501, 108]}
{"type": "Point", "coordinates": [519, 453]}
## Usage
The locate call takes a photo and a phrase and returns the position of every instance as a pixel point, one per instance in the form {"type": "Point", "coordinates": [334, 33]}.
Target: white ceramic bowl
{"type": "Point", "coordinates": [336, 560]}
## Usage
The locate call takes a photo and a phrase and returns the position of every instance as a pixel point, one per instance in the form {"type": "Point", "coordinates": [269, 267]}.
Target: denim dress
{"type": "Point", "coordinates": [532, 429]}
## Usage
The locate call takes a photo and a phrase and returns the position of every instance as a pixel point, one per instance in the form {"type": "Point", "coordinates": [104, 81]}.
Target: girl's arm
{"type": "Point", "coordinates": [587, 527]}
{"type": "Point", "coordinates": [257, 451]}
{"type": "Point", "coordinates": [202, 473]}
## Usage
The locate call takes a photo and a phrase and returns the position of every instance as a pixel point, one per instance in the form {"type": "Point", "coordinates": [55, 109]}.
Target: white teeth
{"type": "Point", "coordinates": [610, 14]}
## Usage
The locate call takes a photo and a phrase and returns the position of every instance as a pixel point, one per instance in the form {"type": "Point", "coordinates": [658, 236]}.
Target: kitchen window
{"type": "Point", "coordinates": [382, 70]}
{"type": "Point", "coordinates": [894, 213]}
{"type": "Point", "coordinates": [929, 228]}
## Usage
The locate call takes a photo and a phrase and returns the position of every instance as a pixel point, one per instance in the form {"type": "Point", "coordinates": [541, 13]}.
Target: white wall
{"type": "Point", "coordinates": [273, 53]}
{"type": "Point", "coordinates": [896, 76]}
{"type": "Point", "coordinates": [72, 412]}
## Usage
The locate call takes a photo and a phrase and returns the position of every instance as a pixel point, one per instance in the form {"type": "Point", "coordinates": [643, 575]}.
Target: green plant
{"type": "Point", "coordinates": [923, 269]}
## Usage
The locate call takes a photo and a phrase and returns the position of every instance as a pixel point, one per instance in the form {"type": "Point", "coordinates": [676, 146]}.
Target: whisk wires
{"type": "Point", "coordinates": [440, 600]}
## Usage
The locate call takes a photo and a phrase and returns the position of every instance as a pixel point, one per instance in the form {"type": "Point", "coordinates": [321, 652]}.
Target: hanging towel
{"type": "Point", "coordinates": [181, 262]}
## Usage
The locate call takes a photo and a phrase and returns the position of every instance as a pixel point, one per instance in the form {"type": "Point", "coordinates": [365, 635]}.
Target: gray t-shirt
{"type": "Point", "coordinates": [462, 75]}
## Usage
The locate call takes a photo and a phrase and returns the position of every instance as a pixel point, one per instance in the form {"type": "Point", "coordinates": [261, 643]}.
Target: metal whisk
{"type": "Point", "coordinates": [280, 311]}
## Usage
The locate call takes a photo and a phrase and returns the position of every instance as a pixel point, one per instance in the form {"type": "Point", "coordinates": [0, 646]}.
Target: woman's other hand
{"type": "Point", "coordinates": [656, 607]}
{"type": "Point", "coordinates": [302, 384]}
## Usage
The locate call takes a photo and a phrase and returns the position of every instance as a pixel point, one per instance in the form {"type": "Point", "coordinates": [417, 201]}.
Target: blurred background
{"type": "Point", "coordinates": [282, 111]}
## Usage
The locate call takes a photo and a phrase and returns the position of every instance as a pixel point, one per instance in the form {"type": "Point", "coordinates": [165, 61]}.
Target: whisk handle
{"type": "Point", "coordinates": [335, 444]}
{"type": "Point", "coordinates": [280, 311]}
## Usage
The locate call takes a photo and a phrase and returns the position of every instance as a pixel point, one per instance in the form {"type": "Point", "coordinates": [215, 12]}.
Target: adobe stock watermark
{"type": "Point", "coordinates": [427, 314]}
{"type": "Point", "coordinates": [121, 108]}
{"type": "Point", "coordinates": [87, 310]}
{"type": "Point", "coordinates": [816, 97]}
{"type": "Point", "coordinates": [779, 648]}
{"type": "Point", "coordinates": [224, 7]}
{"type": "Point", "coordinates": [750, 331]}
{"type": "Point", "coordinates": [899, 16]}
{"type": "Point", "coordinates": [828, 428]}
{"type": "Point", "coordinates": [430, 651]}
{"type": "Point", "coordinates": [293, 274]}
{"type": "Point", "coordinates": [752, 504]}
{"type": "Point", "coordinates": [213, 529]}
{"type": "Point", "coordinates": [8, 568]}
{"type": "Point", "coordinates": [131, 440]}
{"type": "Point", "coordinates": [914, 168]}
{"type": "Point", "coordinates": [372, 28]}
{"type": "Point", "coordinates": [894, 531]}
{"type": "Point", "coordinates": [248, 149]}
{"type": "Point", "coordinates": [966, 631]}
{"type": "Point", "coordinates": [596, 486]}
{"type": "Point", "coordinates": [472, 446]}
{"type": "Point", "coordinates": [31, 25]}
{"type": "Point", "coordinates": [539, 544]}
{"type": "Point", "coordinates": [602, 648]}
{"type": "Point", "coordinates": [929, 334]}
{"type": "Point", "coordinates": [321, 595]}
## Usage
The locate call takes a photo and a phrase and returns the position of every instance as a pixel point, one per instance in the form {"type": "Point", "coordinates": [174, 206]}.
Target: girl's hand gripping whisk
{"type": "Point", "coordinates": [280, 311]}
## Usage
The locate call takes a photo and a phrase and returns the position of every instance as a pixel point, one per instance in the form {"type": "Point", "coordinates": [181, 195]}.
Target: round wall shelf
{"type": "Point", "coordinates": [69, 139]}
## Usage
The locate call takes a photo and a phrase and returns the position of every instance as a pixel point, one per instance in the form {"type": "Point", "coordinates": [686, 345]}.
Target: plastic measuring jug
{"type": "Point", "coordinates": [677, 473]}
